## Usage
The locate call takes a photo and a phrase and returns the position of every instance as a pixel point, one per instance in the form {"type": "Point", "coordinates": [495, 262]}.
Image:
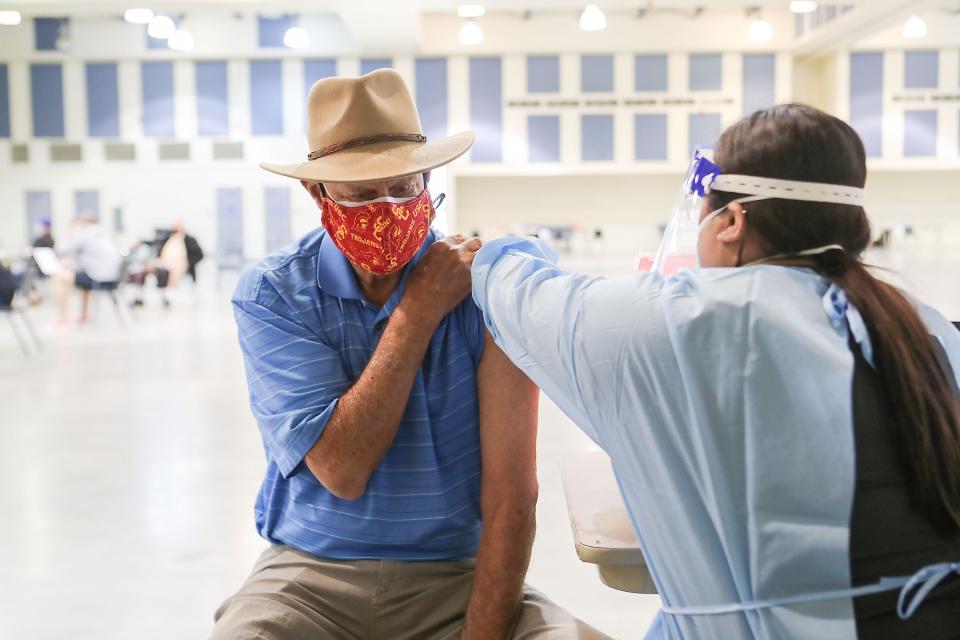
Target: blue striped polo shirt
{"type": "Point", "coordinates": [306, 333]}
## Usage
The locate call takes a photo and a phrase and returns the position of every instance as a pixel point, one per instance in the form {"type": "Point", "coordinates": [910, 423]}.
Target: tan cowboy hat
{"type": "Point", "coordinates": [365, 129]}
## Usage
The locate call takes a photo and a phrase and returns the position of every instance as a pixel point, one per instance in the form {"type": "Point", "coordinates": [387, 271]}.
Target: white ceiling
{"type": "Point", "coordinates": [398, 24]}
{"type": "Point", "coordinates": [103, 7]}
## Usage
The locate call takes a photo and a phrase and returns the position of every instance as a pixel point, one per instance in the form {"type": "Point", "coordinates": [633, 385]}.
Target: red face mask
{"type": "Point", "coordinates": [382, 235]}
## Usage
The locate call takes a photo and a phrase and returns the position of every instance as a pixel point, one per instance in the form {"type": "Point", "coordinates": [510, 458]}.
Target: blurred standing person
{"type": "Point", "coordinates": [95, 260]}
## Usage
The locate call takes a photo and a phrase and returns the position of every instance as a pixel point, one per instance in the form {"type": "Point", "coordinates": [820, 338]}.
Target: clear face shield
{"type": "Point", "coordinates": [678, 247]}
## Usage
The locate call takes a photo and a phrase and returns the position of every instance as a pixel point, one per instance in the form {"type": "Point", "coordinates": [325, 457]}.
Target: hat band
{"type": "Point", "coordinates": [365, 140]}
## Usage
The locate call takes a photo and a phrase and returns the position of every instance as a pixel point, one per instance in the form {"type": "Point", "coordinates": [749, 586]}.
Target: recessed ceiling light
{"type": "Point", "coordinates": [803, 6]}
{"type": "Point", "coordinates": [10, 18]}
{"type": "Point", "coordinates": [138, 16]}
{"type": "Point", "coordinates": [471, 10]}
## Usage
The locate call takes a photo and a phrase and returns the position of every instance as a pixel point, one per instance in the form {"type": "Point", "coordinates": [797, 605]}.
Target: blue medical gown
{"type": "Point", "coordinates": [723, 398]}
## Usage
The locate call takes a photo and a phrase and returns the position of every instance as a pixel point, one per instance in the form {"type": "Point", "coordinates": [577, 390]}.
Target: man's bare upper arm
{"type": "Point", "coordinates": [508, 425]}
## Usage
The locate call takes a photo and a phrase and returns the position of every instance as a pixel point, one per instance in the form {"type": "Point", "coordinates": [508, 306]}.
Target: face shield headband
{"type": "Point", "coordinates": [678, 249]}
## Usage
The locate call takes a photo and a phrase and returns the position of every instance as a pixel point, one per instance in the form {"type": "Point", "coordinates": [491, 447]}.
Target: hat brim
{"type": "Point", "coordinates": [380, 161]}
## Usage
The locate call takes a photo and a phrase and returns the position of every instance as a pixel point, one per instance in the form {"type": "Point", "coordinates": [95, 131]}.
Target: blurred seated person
{"type": "Point", "coordinates": [44, 238]}
{"type": "Point", "coordinates": [179, 253]}
{"type": "Point", "coordinates": [91, 261]}
{"type": "Point", "coordinates": [143, 263]}
{"type": "Point", "coordinates": [8, 286]}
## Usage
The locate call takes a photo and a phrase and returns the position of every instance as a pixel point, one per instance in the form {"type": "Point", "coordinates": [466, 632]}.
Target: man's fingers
{"type": "Point", "coordinates": [473, 244]}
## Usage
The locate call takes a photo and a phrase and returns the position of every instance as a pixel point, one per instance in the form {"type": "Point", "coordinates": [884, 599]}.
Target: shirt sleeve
{"type": "Point", "coordinates": [566, 331]}
{"type": "Point", "coordinates": [295, 380]}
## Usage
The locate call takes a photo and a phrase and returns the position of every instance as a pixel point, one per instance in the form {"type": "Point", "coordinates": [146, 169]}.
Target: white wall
{"type": "Point", "coordinates": [627, 208]}
{"type": "Point", "coordinates": [625, 197]}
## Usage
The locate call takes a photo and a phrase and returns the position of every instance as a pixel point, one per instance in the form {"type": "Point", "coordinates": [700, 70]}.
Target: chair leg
{"type": "Point", "coordinates": [16, 332]}
{"type": "Point", "coordinates": [30, 329]}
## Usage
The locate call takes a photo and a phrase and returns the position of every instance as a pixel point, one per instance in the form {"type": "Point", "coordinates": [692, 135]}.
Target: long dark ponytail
{"type": "Point", "coordinates": [797, 142]}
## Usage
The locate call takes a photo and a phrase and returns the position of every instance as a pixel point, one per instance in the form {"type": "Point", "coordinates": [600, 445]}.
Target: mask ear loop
{"type": "Point", "coordinates": [439, 200]}
{"type": "Point", "coordinates": [742, 243]}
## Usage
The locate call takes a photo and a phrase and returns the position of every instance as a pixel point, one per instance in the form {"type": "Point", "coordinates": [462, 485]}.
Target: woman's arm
{"type": "Point", "coordinates": [564, 330]}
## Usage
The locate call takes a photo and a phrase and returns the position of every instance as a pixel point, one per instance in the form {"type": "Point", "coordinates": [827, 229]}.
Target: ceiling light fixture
{"type": "Point", "coordinates": [471, 33]}
{"type": "Point", "coordinates": [296, 38]}
{"type": "Point", "coordinates": [914, 28]}
{"type": "Point", "coordinates": [759, 31]}
{"type": "Point", "coordinates": [592, 19]}
{"type": "Point", "coordinates": [161, 27]}
{"type": "Point", "coordinates": [180, 40]}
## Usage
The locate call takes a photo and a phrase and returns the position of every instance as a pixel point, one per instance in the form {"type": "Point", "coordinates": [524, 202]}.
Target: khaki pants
{"type": "Point", "coordinates": [292, 595]}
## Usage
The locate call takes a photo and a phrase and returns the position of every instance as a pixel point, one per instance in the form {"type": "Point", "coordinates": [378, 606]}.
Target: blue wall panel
{"type": "Point", "coordinates": [86, 202]}
{"type": "Point", "coordinates": [4, 102]}
{"type": "Point", "coordinates": [277, 216]}
{"type": "Point", "coordinates": [921, 69]}
{"type": "Point", "coordinates": [431, 90]}
{"type": "Point", "coordinates": [372, 64]}
{"type": "Point", "coordinates": [314, 70]}
{"type": "Point", "coordinates": [103, 101]}
{"type": "Point", "coordinates": [157, 92]}
{"type": "Point", "coordinates": [486, 109]}
{"type": "Point", "coordinates": [230, 225]}
{"type": "Point", "coordinates": [650, 73]}
{"type": "Point", "coordinates": [46, 100]}
{"type": "Point", "coordinates": [543, 138]}
{"type": "Point", "coordinates": [46, 32]}
{"type": "Point", "coordinates": [266, 97]}
{"type": "Point", "coordinates": [759, 81]}
{"type": "Point", "coordinates": [706, 72]}
{"type": "Point", "coordinates": [212, 102]}
{"type": "Point", "coordinates": [704, 130]}
{"type": "Point", "coordinates": [650, 136]}
{"type": "Point", "coordinates": [920, 133]}
{"type": "Point", "coordinates": [596, 137]}
{"type": "Point", "coordinates": [866, 99]}
{"type": "Point", "coordinates": [543, 74]}
{"type": "Point", "coordinates": [270, 31]}
{"type": "Point", "coordinates": [596, 74]}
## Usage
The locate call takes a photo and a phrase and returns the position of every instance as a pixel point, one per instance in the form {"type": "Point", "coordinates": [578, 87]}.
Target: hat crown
{"type": "Point", "coordinates": [344, 109]}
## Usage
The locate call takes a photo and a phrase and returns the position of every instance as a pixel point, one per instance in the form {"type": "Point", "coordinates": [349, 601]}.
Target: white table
{"type": "Point", "coordinates": [602, 531]}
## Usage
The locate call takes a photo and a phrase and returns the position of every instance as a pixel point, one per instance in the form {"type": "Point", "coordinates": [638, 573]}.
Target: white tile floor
{"type": "Point", "coordinates": [129, 463]}
{"type": "Point", "coordinates": [129, 466]}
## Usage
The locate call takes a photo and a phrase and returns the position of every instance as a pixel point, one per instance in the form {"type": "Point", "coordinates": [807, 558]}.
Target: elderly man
{"type": "Point", "coordinates": [400, 489]}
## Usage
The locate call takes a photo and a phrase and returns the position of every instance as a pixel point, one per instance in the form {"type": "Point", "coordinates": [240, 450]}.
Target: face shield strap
{"type": "Point", "coordinates": [679, 244]}
{"type": "Point", "coordinates": [787, 189]}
